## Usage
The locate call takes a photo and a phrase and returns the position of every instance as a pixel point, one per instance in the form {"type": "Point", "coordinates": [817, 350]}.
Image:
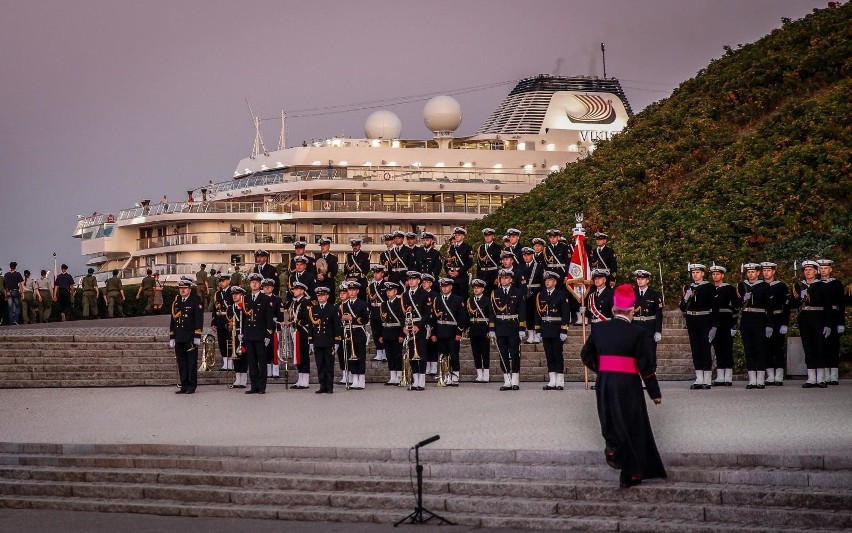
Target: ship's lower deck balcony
{"type": "Point", "coordinates": [245, 240]}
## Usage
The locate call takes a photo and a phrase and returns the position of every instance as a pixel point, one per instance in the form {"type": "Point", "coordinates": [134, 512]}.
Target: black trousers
{"type": "Point", "coordinates": [393, 352]}
{"type": "Point", "coordinates": [304, 366]}
{"type": "Point", "coordinates": [223, 334]}
{"type": "Point", "coordinates": [325, 367]}
{"type": "Point", "coordinates": [813, 342]}
{"type": "Point", "coordinates": [753, 330]}
{"type": "Point", "coordinates": [186, 354]}
{"type": "Point", "coordinates": [256, 357]}
{"type": "Point", "coordinates": [432, 350]}
{"type": "Point", "coordinates": [832, 349]}
{"type": "Point", "coordinates": [776, 350]}
{"type": "Point", "coordinates": [360, 366]}
{"type": "Point", "coordinates": [376, 327]}
{"type": "Point", "coordinates": [650, 327]}
{"type": "Point", "coordinates": [450, 346]}
{"type": "Point", "coordinates": [723, 345]}
{"type": "Point", "coordinates": [490, 279]}
{"type": "Point", "coordinates": [530, 303]}
{"type": "Point", "coordinates": [509, 351]}
{"type": "Point", "coordinates": [553, 354]}
{"type": "Point", "coordinates": [481, 349]}
{"type": "Point", "coordinates": [417, 346]}
{"type": "Point", "coordinates": [63, 297]}
{"type": "Point", "coordinates": [461, 284]}
{"type": "Point", "coordinates": [698, 328]}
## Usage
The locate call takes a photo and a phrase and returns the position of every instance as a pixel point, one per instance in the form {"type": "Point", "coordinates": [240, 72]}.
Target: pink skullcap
{"type": "Point", "coordinates": [624, 297]}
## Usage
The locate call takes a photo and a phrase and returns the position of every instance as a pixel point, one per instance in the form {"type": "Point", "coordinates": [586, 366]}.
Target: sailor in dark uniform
{"type": "Point", "coordinates": [514, 244]}
{"type": "Point", "coordinates": [355, 316]}
{"type": "Point", "coordinates": [385, 256]}
{"type": "Point", "coordinates": [400, 258]}
{"type": "Point", "coordinates": [273, 368]}
{"type": "Point", "coordinates": [599, 301]}
{"type": "Point", "coordinates": [479, 315]}
{"type": "Point", "coordinates": [810, 296]}
{"type": "Point", "coordinates": [299, 251]}
{"type": "Point", "coordinates": [602, 256]}
{"type": "Point", "coordinates": [838, 320]}
{"type": "Point", "coordinates": [415, 303]}
{"type": "Point", "coordinates": [459, 256]}
{"type": "Point", "coordinates": [327, 279]}
{"type": "Point", "coordinates": [621, 355]}
{"type": "Point", "coordinates": [185, 327]}
{"type": "Point", "coordinates": [648, 313]}
{"type": "Point", "coordinates": [326, 331]}
{"type": "Point", "coordinates": [507, 262]}
{"type": "Point", "coordinates": [697, 307]}
{"type": "Point", "coordinates": [427, 283]}
{"type": "Point", "coordinates": [551, 317]}
{"type": "Point", "coordinates": [508, 322]}
{"type": "Point", "coordinates": [776, 348]}
{"type": "Point", "coordinates": [262, 267]}
{"type": "Point", "coordinates": [755, 324]}
{"type": "Point", "coordinates": [427, 258]}
{"type": "Point", "coordinates": [530, 271]}
{"type": "Point", "coordinates": [301, 274]}
{"type": "Point", "coordinates": [375, 297]}
{"type": "Point", "coordinates": [488, 260]}
{"type": "Point", "coordinates": [357, 267]}
{"type": "Point", "coordinates": [300, 320]}
{"type": "Point", "coordinates": [258, 327]}
{"type": "Point", "coordinates": [393, 320]}
{"type": "Point", "coordinates": [219, 319]}
{"type": "Point", "coordinates": [236, 316]}
{"type": "Point", "coordinates": [449, 320]}
{"type": "Point", "coordinates": [557, 255]}
{"type": "Point", "coordinates": [726, 309]}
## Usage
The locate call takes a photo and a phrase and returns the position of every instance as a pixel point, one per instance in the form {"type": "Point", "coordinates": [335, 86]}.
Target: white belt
{"type": "Point", "coordinates": [551, 319]}
{"type": "Point", "coordinates": [726, 310]}
{"type": "Point", "coordinates": [533, 285]}
{"type": "Point", "coordinates": [808, 308]}
{"type": "Point", "coordinates": [376, 305]}
{"type": "Point", "coordinates": [644, 318]}
{"type": "Point", "coordinates": [400, 269]}
{"type": "Point", "coordinates": [447, 323]}
{"type": "Point", "coordinates": [391, 324]}
{"type": "Point", "coordinates": [753, 310]}
{"type": "Point", "coordinates": [596, 320]}
{"type": "Point", "coordinates": [778, 312]}
{"type": "Point", "coordinates": [697, 313]}
{"type": "Point", "coordinates": [488, 269]}
{"type": "Point", "coordinates": [484, 320]}
{"type": "Point", "coordinates": [556, 265]}
{"type": "Point", "coordinates": [506, 317]}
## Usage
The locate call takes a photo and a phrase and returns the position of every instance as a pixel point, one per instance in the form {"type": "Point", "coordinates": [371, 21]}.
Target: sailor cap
{"type": "Point", "coordinates": [224, 277]}
{"type": "Point", "coordinates": [387, 237]}
{"type": "Point", "coordinates": [505, 238]}
{"type": "Point", "coordinates": [459, 230]}
{"type": "Point", "coordinates": [600, 273]}
{"type": "Point", "coordinates": [391, 285]}
{"type": "Point", "coordinates": [354, 241]}
{"type": "Point", "coordinates": [378, 267]}
{"type": "Point", "coordinates": [488, 231]}
{"type": "Point", "coordinates": [550, 274]}
{"type": "Point", "coordinates": [768, 264]}
{"type": "Point", "coordinates": [641, 273]}
{"type": "Point", "coordinates": [526, 250]}
{"type": "Point", "coordinates": [237, 290]}
{"type": "Point", "coordinates": [187, 278]}
{"type": "Point", "coordinates": [810, 263]}
{"type": "Point", "coordinates": [824, 262]}
{"type": "Point", "coordinates": [322, 289]}
{"type": "Point", "coordinates": [299, 244]}
{"type": "Point", "coordinates": [254, 276]}
{"type": "Point", "coordinates": [185, 283]}
{"type": "Point", "coordinates": [696, 266]}
{"type": "Point", "coordinates": [601, 235]}
{"type": "Point", "coordinates": [478, 283]}
{"type": "Point", "coordinates": [411, 274]}
{"type": "Point", "coordinates": [513, 231]}
{"type": "Point", "coordinates": [299, 285]}
{"type": "Point", "coordinates": [553, 232]}
{"type": "Point", "coordinates": [258, 253]}
{"type": "Point", "coordinates": [324, 241]}
{"type": "Point", "coordinates": [751, 266]}
{"type": "Point", "coordinates": [267, 281]}
{"type": "Point", "coordinates": [446, 281]}
{"type": "Point", "coordinates": [506, 272]}
{"type": "Point", "coordinates": [410, 235]}
{"type": "Point", "coordinates": [506, 253]}
{"type": "Point", "coordinates": [398, 233]}
{"type": "Point", "coordinates": [718, 268]}
{"type": "Point", "coordinates": [427, 277]}
{"type": "Point", "coordinates": [300, 259]}
{"type": "Point", "coordinates": [352, 285]}
{"type": "Point", "coordinates": [427, 235]}
{"type": "Point", "coordinates": [538, 240]}
{"type": "Point", "coordinates": [343, 287]}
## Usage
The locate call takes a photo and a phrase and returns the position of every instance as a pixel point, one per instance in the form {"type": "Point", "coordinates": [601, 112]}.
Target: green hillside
{"type": "Point", "coordinates": [749, 160]}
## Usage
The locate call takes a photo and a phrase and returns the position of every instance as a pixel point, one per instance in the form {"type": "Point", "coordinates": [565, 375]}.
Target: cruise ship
{"type": "Point", "coordinates": [342, 188]}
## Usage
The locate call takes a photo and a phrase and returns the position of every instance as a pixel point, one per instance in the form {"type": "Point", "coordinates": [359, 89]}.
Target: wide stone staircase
{"type": "Point", "coordinates": [115, 358]}
{"type": "Point", "coordinates": [551, 490]}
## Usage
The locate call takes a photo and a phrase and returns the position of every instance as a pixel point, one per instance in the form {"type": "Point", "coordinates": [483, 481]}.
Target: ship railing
{"type": "Point", "coordinates": [262, 238]}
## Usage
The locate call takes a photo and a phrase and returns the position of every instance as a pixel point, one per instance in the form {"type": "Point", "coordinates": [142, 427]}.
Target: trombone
{"type": "Point", "coordinates": [405, 380]}
{"type": "Point", "coordinates": [348, 345]}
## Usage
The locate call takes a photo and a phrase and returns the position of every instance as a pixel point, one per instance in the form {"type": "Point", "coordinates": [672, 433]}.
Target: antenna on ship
{"type": "Point", "coordinates": [259, 146]}
{"type": "Point", "coordinates": [603, 55]}
{"type": "Point", "coordinates": [282, 137]}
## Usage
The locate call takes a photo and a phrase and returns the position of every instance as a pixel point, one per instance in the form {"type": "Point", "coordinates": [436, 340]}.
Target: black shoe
{"type": "Point", "coordinates": [506, 387]}
{"type": "Point", "coordinates": [560, 387]}
{"type": "Point", "coordinates": [190, 392]}
{"type": "Point", "coordinates": [261, 392]}
{"type": "Point", "coordinates": [611, 460]}
{"type": "Point", "coordinates": [548, 387]}
{"type": "Point", "coordinates": [250, 391]}
{"type": "Point", "coordinates": [421, 388]}
{"type": "Point", "coordinates": [223, 370]}
{"type": "Point", "coordinates": [593, 387]}
{"type": "Point", "coordinates": [180, 391]}
{"type": "Point", "coordinates": [822, 385]}
{"type": "Point", "coordinates": [329, 392]}
{"type": "Point", "coordinates": [761, 387]}
{"type": "Point", "coordinates": [321, 391]}
{"type": "Point", "coordinates": [779, 383]}
{"type": "Point", "coordinates": [452, 384]}
{"type": "Point", "coordinates": [834, 383]}
{"type": "Point", "coordinates": [750, 386]}
{"type": "Point", "coordinates": [388, 384]}
{"type": "Point", "coordinates": [807, 385]}
{"type": "Point", "coordinates": [706, 387]}
{"type": "Point", "coordinates": [719, 383]}
{"type": "Point", "coordinates": [696, 386]}
{"type": "Point", "coordinates": [515, 387]}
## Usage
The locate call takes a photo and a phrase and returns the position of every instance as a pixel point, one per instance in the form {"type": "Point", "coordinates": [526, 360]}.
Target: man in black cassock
{"type": "Point", "coordinates": [622, 356]}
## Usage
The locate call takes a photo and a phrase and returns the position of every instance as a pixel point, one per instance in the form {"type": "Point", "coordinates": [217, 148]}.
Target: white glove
{"type": "Point", "coordinates": [746, 296]}
{"type": "Point", "coordinates": [521, 335]}
{"type": "Point", "coordinates": [841, 329]}
{"type": "Point", "coordinates": [582, 309]}
{"type": "Point", "coordinates": [803, 293]}
{"type": "Point", "coordinates": [769, 332]}
{"type": "Point", "coordinates": [733, 333]}
{"type": "Point", "coordinates": [311, 348]}
{"type": "Point", "coordinates": [171, 343]}
{"type": "Point", "coordinates": [266, 342]}
{"type": "Point", "coordinates": [782, 330]}
{"type": "Point", "coordinates": [712, 334]}
{"type": "Point", "coordinates": [563, 337]}
{"type": "Point", "coordinates": [687, 295]}
{"type": "Point", "coordinates": [658, 337]}
{"type": "Point", "coordinates": [196, 342]}
{"type": "Point", "coordinates": [826, 331]}
{"type": "Point", "coordinates": [492, 335]}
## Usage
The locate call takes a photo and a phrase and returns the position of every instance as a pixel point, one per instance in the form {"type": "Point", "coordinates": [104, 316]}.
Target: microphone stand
{"type": "Point", "coordinates": [417, 516]}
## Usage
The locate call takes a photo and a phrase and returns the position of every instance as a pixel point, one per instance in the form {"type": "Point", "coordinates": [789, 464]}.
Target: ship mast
{"type": "Point", "coordinates": [259, 146]}
{"type": "Point", "coordinates": [282, 137]}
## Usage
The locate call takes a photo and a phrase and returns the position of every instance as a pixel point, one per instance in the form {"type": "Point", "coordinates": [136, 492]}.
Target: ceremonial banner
{"type": "Point", "coordinates": [579, 273]}
{"type": "Point", "coordinates": [297, 351]}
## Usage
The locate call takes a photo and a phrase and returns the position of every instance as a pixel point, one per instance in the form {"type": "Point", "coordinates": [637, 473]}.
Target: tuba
{"type": "Point", "coordinates": [207, 353]}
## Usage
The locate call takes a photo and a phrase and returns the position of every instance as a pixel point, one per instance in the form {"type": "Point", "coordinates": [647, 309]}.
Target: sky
{"type": "Point", "coordinates": [106, 102]}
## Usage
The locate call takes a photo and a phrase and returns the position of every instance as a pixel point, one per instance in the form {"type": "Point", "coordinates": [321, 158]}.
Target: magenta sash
{"type": "Point", "coordinates": [618, 363]}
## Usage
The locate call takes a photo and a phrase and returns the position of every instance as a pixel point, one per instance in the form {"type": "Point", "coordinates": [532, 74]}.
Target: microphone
{"type": "Point", "coordinates": [430, 440]}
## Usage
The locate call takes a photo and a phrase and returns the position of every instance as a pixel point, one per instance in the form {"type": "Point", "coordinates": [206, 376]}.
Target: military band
{"type": "Point", "coordinates": [417, 315]}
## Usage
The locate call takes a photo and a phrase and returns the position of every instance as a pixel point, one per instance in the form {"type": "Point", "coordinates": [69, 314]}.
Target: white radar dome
{"type": "Point", "coordinates": [442, 113]}
{"type": "Point", "coordinates": [383, 124]}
